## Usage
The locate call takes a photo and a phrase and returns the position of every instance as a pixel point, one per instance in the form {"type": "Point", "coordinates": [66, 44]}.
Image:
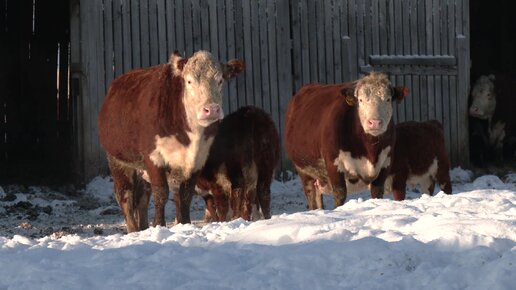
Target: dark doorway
{"type": "Point", "coordinates": [493, 41]}
{"type": "Point", "coordinates": [35, 114]}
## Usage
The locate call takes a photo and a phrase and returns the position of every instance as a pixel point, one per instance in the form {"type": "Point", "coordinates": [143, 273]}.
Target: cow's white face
{"type": "Point", "coordinates": [483, 98]}
{"type": "Point", "coordinates": [203, 78]}
{"type": "Point", "coordinates": [373, 95]}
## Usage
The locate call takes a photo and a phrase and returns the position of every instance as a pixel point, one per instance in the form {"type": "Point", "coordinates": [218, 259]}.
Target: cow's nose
{"type": "Point", "coordinates": [473, 109]}
{"type": "Point", "coordinates": [374, 123]}
{"type": "Point", "coordinates": [212, 111]}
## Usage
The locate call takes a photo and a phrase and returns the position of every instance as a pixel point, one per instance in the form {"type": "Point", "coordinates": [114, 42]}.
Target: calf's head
{"type": "Point", "coordinates": [203, 77]}
{"type": "Point", "coordinates": [483, 98]}
{"type": "Point", "coordinates": [373, 95]}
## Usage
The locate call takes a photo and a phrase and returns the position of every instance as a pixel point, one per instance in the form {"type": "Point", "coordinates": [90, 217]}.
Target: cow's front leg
{"type": "Point", "coordinates": [338, 184]}
{"type": "Point", "coordinates": [183, 199]}
{"type": "Point", "coordinates": [142, 193]}
{"type": "Point", "coordinates": [377, 187]}
{"type": "Point", "coordinates": [159, 188]}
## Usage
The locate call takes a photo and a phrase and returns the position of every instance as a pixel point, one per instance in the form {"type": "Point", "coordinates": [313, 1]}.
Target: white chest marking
{"type": "Point", "coordinates": [362, 167]}
{"type": "Point", "coordinates": [187, 159]}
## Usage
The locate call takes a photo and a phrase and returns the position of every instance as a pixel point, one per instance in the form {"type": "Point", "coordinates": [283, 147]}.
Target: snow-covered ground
{"type": "Point", "coordinates": [49, 240]}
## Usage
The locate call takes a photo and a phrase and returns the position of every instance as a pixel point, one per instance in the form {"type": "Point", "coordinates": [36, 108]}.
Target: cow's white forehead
{"type": "Point", "coordinates": [375, 85]}
{"type": "Point", "coordinates": [483, 83]}
{"type": "Point", "coordinates": [202, 64]}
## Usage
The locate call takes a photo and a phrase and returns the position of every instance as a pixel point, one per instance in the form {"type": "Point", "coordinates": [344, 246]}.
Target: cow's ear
{"type": "Point", "coordinates": [177, 62]}
{"type": "Point", "coordinates": [491, 77]}
{"type": "Point", "coordinates": [349, 94]}
{"type": "Point", "coordinates": [232, 68]}
{"type": "Point", "coordinates": [399, 93]}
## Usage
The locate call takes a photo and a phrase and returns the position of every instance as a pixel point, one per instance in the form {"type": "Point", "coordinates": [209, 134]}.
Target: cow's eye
{"type": "Point", "coordinates": [388, 99]}
{"type": "Point", "coordinates": [220, 82]}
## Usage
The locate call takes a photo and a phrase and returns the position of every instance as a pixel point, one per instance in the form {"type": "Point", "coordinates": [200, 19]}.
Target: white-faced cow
{"type": "Point", "coordinates": [492, 122]}
{"type": "Point", "coordinates": [419, 158]}
{"type": "Point", "coordinates": [161, 121]}
{"type": "Point", "coordinates": [342, 131]}
{"type": "Point", "coordinates": [241, 164]}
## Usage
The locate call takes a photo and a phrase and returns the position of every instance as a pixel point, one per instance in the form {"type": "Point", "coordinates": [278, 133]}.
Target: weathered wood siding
{"type": "Point", "coordinates": [423, 44]}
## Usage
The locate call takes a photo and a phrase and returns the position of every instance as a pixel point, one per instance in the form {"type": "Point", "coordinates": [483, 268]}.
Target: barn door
{"type": "Point", "coordinates": [424, 45]}
{"type": "Point", "coordinates": [34, 115]}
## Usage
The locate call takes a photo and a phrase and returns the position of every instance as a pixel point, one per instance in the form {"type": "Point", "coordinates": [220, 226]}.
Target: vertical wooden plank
{"type": "Point", "coordinates": [239, 46]}
{"type": "Point", "coordinates": [222, 47]}
{"type": "Point", "coordinates": [345, 16]}
{"type": "Point", "coordinates": [337, 41]}
{"type": "Point", "coordinates": [454, 133]}
{"type": "Point", "coordinates": [117, 37]}
{"type": "Point", "coordinates": [179, 27]}
{"type": "Point", "coordinates": [153, 32]}
{"type": "Point", "coordinates": [162, 32]}
{"type": "Point", "coordinates": [188, 27]}
{"type": "Point", "coordinates": [414, 37]}
{"type": "Point", "coordinates": [285, 83]}
{"type": "Point", "coordinates": [421, 23]}
{"type": "Point", "coordinates": [196, 25]}
{"type": "Point", "coordinates": [255, 40]}
{"type": "Point", "coordinates": [296, 43]}
{"type": "Point", "coordinates": [353, 39]}
{"type": "Point", "coordinates": [285, 88]}
{"type": "Point", "coordinates": [398, 32]}
{"type": "Point", "coordinates": [321, 44]}
{"type": "Point", "coordinates": [170, 31]}
{"type": "Point", "coordinates": [305, 45]}
{"type": "Point", "coordinates": [360, 15]}
{"type": "Point", "coordinates": [214, 39]}
{"type": "Point", "coordinates": [376, 23]}
{"type": "Point", "coordinates": [273, 59]}
{"type": "Point", "coordinates": [312, 34]}
{"type": "Point", "coordinates": [384, 42]}
{"type": "Point", "coordinates": [108, 41]}
{"type": "Point", "coordinates": [430, 51]}
{"type": "Point", "coordinates": [462, 26]}
{"type": "Point", "coordinates": [264, 56]}
{"type": "Point", "coordinates": [367, 31]}
{"type": "Point", "coordinates": [144, 33]}
{"type": "Point", "coordinates": [406, 36]}
{"type": "Point", "coordinates": [438, 105]}
{"type": "Point", "coordinates": [231, 52]}
{"type": "Point", "coordinates": [205, 25]}
{"type": "Point", "coordinates": [328, 40]}
{"type": "Point", "coordinates": [135, 34]}
{"type": "Point", "coordinates": [248, 52]}
{"type": "Point", "coordinates": [92, 98]}
{"type": "Point", "coordinates": [126, 35]}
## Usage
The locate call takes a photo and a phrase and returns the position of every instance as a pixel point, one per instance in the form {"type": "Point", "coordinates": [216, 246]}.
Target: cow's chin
{"type": "Point", "coordinates": [207, 122]}
{"type": "Point", "coordinates": [478, 116]}
{"type": "Point", "coordinates": [375, 132]}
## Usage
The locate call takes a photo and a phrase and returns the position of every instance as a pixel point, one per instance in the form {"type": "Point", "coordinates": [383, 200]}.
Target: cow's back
{"type": "Point", "coordinates": [138, 106]}
{"type": "Point", "coordinates": [312, 111]}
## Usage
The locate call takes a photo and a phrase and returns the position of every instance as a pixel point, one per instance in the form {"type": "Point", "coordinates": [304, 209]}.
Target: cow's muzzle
{"type": "Point", "coordinates": [211, 112]}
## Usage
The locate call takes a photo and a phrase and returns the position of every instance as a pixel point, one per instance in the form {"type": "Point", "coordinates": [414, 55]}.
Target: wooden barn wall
{"type": "Point", "coordinates": [423, 44]}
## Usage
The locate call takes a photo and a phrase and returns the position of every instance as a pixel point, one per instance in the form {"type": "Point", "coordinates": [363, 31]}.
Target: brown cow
{"type": "Point", "coordinates": [419, 157]}
{"type": "Point", "coordinates": [342, 131]}
{"type": "Point", "coordinates": [241, 164]}
{"type": "Point", "coordinates": [161, 121]}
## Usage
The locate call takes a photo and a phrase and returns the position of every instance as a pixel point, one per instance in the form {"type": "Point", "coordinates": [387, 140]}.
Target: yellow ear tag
{"type": "Point", "coordinates": [350, 101]}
